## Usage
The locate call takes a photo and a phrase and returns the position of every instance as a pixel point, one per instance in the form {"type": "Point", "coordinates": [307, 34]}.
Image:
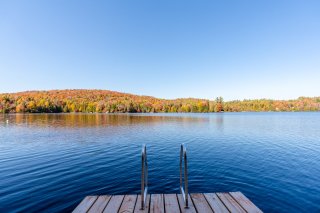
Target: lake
{"type": "Point", "coordinates": [50, 162]}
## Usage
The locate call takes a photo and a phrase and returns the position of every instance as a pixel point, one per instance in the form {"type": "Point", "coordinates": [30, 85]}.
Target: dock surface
{"type": "Point", "coordinates": [168, 203]}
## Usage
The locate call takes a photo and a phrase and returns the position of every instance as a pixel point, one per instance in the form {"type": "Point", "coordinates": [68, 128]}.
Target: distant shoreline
{"type": "Point", "coordinates": [147, 113]}
{"type": "Point", "coordinates": [105, 101]}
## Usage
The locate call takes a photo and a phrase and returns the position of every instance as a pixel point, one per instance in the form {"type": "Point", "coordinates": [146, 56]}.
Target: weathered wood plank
{"type": "Point", "coordinates": [157, 203]}
{"type": "Point", "coordinates": [190, 208]}
{"type": "Point", "coordinates": [215, 203]}
{"type": "Point", "coordinates": [137, 208]}
{"type": "Point", "coordinates": [230, 203]}
{"type": "Point", "coordinates": [128, 203]}
{"type": "Point", "coordinates": [200, 203]}
{"type": "Point", "coordinates": [114, 204]}
{"type": "Point", "coordinates": [171, 203]}
{"type": "Point", "coordinates": [100, 204]}
{"type": "Point", "coordinates": [85, 204]}
{"type": "Point", "coordinates": [245, 202]}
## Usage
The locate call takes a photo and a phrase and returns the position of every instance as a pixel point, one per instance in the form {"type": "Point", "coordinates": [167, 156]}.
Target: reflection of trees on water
{"type": "Point", "coordinates": [218, 120]}
{"type": "Point", "coordinates": [92, 120]}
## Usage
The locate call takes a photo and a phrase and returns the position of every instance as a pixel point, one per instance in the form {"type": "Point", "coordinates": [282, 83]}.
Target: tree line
{"type": "Point", "coordinates": [104, 101]}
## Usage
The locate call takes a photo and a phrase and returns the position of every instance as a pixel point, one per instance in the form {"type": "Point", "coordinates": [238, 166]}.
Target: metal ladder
{"type": "Point", "coordinates": [183, 169]}
{"type": "Point", "coordinates": [144, 176]}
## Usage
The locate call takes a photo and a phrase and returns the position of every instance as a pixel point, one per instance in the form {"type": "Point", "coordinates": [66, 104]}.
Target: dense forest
{"type": "Point", "coordinates": [104, 101]}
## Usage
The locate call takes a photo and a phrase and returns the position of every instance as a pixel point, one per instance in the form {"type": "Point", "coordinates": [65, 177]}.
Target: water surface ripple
{"type": "Point", "coordinates": [50, 162]}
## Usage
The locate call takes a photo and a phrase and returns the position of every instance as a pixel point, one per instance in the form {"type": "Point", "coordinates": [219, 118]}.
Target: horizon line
{"type": "Point", "coordinates": [128, 93]}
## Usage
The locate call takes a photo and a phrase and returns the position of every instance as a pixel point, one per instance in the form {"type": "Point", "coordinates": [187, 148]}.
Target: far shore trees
{"type": "Point", "coordinates": [219, 105]}
{"type": "Point", "coordinates": [104, 101]}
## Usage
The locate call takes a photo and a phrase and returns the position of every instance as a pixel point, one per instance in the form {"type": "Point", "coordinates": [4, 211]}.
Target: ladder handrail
{"type": "Point", "coordinates": [144, 176]}
{"type": "Point", "coordinates": [184, 190]}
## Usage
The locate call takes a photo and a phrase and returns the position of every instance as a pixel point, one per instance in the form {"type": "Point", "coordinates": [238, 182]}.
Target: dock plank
{"type": "Point", "coordinates": [200, 203]}
{"type": "Point", "coordinates": [215, 203]}
{"type": "Point", "coordinates": [100, 204]}
{"type": "Point", "coordinates": [171, 203]}
{"type": "Point", "coordinates": [128, 204]}
{"type": "Point", "coordinates": [114, 204]}
{"type": "Point", "coordinates": [157, 203]}
{"type": "Point", "coordinates": [245, 202]}
{"type": "Point", "coordinates": [190, 208]}
{"type": "Point", "coordinates": [230, 203]}
{"type": "Point", "coordinates": [137, 208]}
{"type": "Point", "coordinates": [85, 204]}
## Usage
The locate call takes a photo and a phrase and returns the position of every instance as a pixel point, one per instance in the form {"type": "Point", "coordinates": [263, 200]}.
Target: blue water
{"type": "Point", "coordinates": [50, 162]}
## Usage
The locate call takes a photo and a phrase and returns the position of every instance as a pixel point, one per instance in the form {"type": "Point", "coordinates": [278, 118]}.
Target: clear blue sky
{"type": "Point", "coordinates": [168, 49]}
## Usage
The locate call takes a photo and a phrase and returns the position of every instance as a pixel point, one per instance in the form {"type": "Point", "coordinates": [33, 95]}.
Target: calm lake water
{"type": "Point", "coordinates": [50, 162]}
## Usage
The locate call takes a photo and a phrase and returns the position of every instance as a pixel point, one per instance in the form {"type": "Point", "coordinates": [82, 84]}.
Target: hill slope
{"type": "Point", "coordinates": [111, 102]}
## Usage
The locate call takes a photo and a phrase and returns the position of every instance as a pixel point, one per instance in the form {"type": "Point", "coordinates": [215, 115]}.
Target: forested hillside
{"type": "Point", "coordinates": [105, 101]}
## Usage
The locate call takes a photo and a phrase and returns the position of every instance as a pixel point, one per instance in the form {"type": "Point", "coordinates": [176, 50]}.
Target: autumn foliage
{"type": "Point", "coordinates": [104, 101]}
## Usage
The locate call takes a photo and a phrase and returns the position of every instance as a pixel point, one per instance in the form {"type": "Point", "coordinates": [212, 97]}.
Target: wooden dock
{"type": "Point", "coordinates": [170, 203]}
